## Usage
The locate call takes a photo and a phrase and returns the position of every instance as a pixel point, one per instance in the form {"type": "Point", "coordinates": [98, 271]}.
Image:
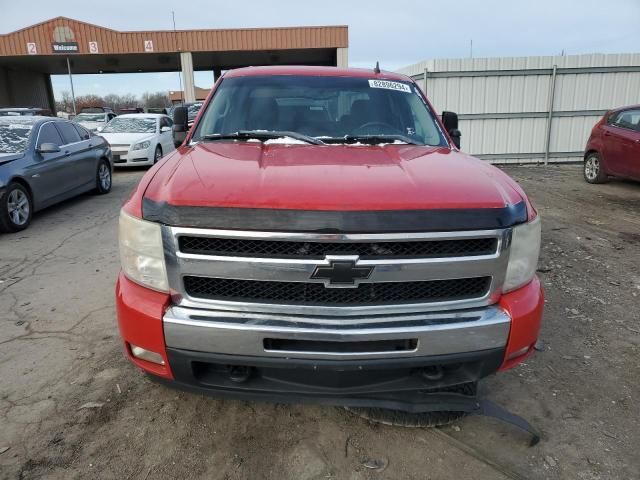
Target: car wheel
{"type": "Point", "coordinates": [425, 419]}
{"type": "Point", "coordinates": [594, 170]}
{"type": "Point", "coordinates": [16, 208]}
{"type": "Point", "coordinates": [103, 178]}
{"type": "Point", "coordinates": [157, 155]}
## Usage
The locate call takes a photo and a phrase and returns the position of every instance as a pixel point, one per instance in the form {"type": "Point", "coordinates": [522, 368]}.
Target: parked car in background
{"type": "Point", "coordinates": [45, 160]}
{"type": "Point", "coordinates": [163, 111]}
{"type": "Point", "coordinates": [139, 139]}
{"type": "Point", "coordinates": [100, 109]}
{"type": "Point", "coordinates": [125, 110]}
{"type": "Point", "coordinates": [613, 149]}
{"type": "Point", "coordinates": [23, 111]}
{"type": "Point", "coordinates": [93, 121]}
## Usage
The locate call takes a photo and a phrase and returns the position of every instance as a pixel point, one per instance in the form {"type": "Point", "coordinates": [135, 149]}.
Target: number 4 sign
{"type": "Point", "coordinates": [32, 49]}
{"type": "Point", "coordinates": [148, 45]}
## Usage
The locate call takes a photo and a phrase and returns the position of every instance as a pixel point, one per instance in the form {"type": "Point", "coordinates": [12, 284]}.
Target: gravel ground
{"type": "Point", "coordinates": [72, 407]}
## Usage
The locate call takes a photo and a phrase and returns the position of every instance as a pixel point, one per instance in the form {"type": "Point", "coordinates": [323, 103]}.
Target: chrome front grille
{"type": "Point", "coordinates": [317, 294]}
{"type": "Point", "coordinates": [366, 250]}
{"type": "Point", "coordinates": [270, 272]}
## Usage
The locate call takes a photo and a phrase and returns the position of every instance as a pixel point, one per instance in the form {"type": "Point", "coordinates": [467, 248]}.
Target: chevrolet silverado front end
{"type": "Point", "coordinates": [318, 237]}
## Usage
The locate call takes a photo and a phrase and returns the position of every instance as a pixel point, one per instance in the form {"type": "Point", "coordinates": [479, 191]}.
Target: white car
{"type": "Point", "coordinates": [93, 121]}
{"type": "Point", "coordinates": [138, 139]}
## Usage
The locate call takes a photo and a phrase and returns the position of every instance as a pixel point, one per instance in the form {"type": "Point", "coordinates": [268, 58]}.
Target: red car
{"type": "Point", "coordinates": [319, 237]}
{"type": "Point", "coordinates": [613, 149]}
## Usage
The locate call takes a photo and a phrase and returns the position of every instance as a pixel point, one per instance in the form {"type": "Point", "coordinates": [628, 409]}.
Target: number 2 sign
{"type": "Point", "coordinates": [32, 49]}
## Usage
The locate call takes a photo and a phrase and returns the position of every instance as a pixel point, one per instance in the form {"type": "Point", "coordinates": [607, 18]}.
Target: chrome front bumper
{"type": "Point", "coordinates": [251, 334]}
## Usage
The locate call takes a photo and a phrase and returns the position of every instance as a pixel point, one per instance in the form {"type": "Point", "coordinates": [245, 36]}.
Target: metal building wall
{"type": "Point", "coordinates": [504, 104]}
{"type": "Point", "coordinates": [24, 88]}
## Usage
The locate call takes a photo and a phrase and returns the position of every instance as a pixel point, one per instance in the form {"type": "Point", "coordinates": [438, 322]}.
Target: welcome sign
{"type": "Point", "coordinates": [65, 47]}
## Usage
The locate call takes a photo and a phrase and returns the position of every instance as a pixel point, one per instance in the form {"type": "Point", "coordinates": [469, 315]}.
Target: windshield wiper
{"type": "Point", "coordinates": [373, 139]}
{"type": "Point", "coordinates": [262, 135]}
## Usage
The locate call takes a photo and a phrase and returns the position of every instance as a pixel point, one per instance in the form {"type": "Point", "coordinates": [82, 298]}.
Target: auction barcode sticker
{"type": "Point", "coordinates": [401, 87]}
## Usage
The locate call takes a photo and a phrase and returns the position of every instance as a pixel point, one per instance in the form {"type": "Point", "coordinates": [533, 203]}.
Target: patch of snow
{"type": "Point", "coordinates": [284, 141]}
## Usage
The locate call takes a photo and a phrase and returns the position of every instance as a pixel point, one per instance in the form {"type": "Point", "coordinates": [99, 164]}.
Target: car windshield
{"type": "Point", "coordinates": [130, 125]}
{"type": "Point", "coordinates": [14, 136]}
{"type": "Point", "coordinates": [331, 109]}
{"type": "Point", "coordinates": [90, 117]}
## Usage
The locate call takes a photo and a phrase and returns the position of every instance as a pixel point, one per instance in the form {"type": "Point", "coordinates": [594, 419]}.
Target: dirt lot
{"type": "Point", "coordinates": [59, 351]}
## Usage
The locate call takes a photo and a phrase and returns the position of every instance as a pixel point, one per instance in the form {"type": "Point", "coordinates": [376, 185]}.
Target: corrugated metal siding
{"type": "Point", "coordinates": [111, 41]}
{"type": "Point", "coordinates": [30, 87]}
{"type": "Point", "coordinates": [519, 87]}
{"type": "Point", "coordinates": [502, 136]}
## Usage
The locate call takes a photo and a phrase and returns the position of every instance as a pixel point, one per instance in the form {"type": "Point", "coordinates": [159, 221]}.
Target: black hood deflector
{"type": "Point", "coordinates": [322, 221]}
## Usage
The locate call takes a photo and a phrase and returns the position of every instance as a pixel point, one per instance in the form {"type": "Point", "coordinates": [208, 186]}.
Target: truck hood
{"type": "Point", "coordinates": [332, 177]}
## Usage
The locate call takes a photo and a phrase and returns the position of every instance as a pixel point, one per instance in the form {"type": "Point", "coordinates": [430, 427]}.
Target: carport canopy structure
{"type": "Point", "coordinates": [30, 55]}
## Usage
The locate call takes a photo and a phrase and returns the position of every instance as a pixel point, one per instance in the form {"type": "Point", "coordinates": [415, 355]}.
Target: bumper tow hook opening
{"type": "Point", "coordinates": [433, 373]}
{"type": "Point", "coordinates": [239, 373]}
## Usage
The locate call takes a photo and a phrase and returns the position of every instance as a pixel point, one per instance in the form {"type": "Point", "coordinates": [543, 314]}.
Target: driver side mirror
{"type": "Point", "coordinates": [450, 121]}
{"type": "Point", "coordinates": [165, 129]}
{"type": "Point", "coordinates": [180, 119]}
{"type": "Point", "coordinates": [48, 148]}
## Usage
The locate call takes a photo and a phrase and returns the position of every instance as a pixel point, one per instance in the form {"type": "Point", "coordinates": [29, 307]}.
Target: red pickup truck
{"type": "Point", "coordinates": [320, 237]}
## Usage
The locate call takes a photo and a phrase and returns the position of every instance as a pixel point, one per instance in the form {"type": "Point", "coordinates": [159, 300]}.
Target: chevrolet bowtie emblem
{"type": "Point", "coordinates": [341, 273]}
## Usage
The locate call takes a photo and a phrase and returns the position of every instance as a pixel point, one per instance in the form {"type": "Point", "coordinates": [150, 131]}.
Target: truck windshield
{"type": "Point", "coordinates": [330, 109]}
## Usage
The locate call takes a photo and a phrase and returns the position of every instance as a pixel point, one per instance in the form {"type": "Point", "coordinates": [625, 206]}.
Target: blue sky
{"type": "Point", "coordinates": [397, 33]}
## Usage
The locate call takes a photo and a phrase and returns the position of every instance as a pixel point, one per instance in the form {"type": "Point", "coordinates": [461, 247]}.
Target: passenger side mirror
{"type": "Point", "coordinates": [180, 119]}
{"type": "Point", "coordinates": [48, 148]}
{"type": "Point", "coordinates": [99, 129]}
{"type": "Point", "coordinates": [450, 121]}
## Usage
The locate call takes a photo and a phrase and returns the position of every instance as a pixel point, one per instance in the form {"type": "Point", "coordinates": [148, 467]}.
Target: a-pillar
{"type": "Point", "coordinates": [186, 62]}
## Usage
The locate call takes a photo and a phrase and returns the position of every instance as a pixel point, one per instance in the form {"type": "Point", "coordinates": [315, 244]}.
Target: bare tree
{"type": "Point", "coordinates": [64, 104]}
{"type": "Point", "coordinates": [155, 100]}
{"type": "Point", "coordinates": [85, 101]}
{"type": "Point", "coordinates": [120, 101]}
{"type": "Point", "coordinates": [115, 101]}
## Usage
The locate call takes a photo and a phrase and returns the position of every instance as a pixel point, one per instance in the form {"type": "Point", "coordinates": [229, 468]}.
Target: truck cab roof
{"type": "Point", "coordinates": [316, 72]}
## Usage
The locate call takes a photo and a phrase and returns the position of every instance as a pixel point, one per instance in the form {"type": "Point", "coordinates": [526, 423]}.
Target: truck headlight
{"type": "Point", "coordinates": [141, 252]}
{"type": "Point", "coordinates": [141, 145]}
{"type": "Point", "coordinates": [523, 259]}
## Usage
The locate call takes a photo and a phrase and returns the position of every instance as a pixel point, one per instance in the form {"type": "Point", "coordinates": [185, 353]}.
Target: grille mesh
{"type": "Point", "coordinates": [289, 249]}
{"type": "Point", "coordinates": [318, 294]}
